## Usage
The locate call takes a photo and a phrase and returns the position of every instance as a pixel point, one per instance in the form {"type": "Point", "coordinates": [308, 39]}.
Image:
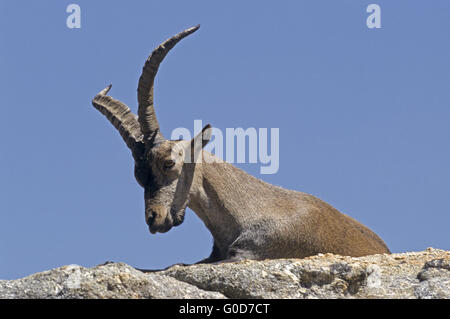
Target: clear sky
{"type": "Point", "coordinates": [363, 116]}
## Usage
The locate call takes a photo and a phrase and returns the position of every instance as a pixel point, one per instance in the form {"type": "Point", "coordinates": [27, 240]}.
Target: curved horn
{"type": "Point", "coordinates": [146, 111]}
{"type": "Point", "coordinates": [123, 120]}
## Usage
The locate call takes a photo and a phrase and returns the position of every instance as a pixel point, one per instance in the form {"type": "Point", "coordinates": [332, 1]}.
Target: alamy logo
{"type": "Point", "coordinates": [374, 19]}
{"type": "Point", "coordinates": [73, 21]}
{"type": "Point", "coordinates": [235, 145]}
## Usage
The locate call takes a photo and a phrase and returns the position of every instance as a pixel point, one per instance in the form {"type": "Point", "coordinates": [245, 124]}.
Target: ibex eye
{"type": "Point", "coordinates": [168, 164]}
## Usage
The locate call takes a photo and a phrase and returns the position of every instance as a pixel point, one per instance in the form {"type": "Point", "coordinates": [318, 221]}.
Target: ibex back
{"type": "Point", "coordinates": [248, 218]}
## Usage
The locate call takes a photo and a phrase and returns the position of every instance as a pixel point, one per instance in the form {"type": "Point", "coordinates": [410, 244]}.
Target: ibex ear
{"type": "Point", "coordinates": [203, 137]}
{"type": "Point", "coordinates": [199, 142]}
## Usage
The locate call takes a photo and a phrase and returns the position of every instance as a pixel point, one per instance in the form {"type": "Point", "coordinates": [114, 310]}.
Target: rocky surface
{"type": "Point", "coordinates": [423, 274]}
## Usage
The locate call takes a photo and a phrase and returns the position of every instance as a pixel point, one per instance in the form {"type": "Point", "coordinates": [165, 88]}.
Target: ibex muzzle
{"type": "Point", "coordinates": [247, 217]}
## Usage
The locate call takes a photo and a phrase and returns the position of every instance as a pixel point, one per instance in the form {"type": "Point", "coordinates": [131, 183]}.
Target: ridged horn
{"type": "Point", "coordinates": [146, 112]}
{"type": "Point", "coordinates": [123, 120]}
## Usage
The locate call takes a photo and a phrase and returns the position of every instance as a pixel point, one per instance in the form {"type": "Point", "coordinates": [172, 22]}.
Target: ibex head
{"type": "Point", "coordinates": [164, 168]}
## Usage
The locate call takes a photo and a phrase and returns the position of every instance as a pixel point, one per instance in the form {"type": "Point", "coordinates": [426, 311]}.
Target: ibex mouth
{"type": "Point", "coordinates": [152, 230]}
{"type": "Point", "coordinates": [163, 229]}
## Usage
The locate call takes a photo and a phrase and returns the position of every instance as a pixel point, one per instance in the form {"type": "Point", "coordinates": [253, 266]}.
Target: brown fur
{"type": "Point", "coordinates": [285, 223]}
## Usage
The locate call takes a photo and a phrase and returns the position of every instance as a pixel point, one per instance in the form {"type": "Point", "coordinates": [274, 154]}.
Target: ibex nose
{"type": "Point", "coordinates": [151, 217]}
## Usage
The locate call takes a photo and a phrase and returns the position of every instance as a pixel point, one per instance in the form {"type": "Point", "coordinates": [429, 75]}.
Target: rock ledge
{"type": "Point", "coordinates": [424, 274]}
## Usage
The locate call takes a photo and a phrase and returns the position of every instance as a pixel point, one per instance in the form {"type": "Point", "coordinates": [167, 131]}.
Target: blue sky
{"type": "Point", "coordinates": [363, 117]}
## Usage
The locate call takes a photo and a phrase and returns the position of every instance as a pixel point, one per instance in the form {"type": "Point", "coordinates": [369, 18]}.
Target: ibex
{"type": "Point", "coordinates": [247, 217]}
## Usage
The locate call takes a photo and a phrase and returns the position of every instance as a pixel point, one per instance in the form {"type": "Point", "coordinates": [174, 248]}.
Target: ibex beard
{"type": "Point", "coordinates": [248, 218]}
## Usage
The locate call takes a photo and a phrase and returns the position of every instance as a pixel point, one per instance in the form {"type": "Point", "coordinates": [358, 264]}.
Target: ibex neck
{"type": "Point", "coordinates": [226, 198]}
